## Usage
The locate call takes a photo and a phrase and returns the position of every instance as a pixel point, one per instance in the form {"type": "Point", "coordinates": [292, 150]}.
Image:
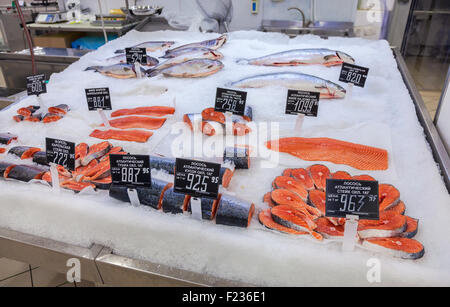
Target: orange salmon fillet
{"type": "Point", "coordinates": [150, 111]}
{"type": "Point", "coordinates": [340, 152]}
{"type": "Point", "coordinates": [137, 122]}
{"type": "Point", "coordinates": [122, 135]}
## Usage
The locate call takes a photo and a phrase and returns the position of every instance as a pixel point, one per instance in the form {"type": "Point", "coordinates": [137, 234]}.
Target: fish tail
{"type": "Point", "coordinates": [242, 61]}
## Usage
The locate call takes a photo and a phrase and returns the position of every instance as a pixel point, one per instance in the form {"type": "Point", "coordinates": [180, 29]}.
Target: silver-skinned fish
{"type": "Point", "coordinates": [213, 44]}
{"type": "Point", "coordinates": [120, 71]}
{"type": "Point", "coordinates": [121, 58]}
{"type": "Point", "coordinates": [295, 81]}
{"type": "Point", "coordinates": [193, 54]}
{"type": "Point", "coordinates": [190, 69]}
{"type": "Point", "coordinates": [296, 57]}
{"type": "Point", "coordinates": [151, 46]}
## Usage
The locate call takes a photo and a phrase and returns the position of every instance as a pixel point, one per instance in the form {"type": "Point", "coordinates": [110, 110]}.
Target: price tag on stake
{"type": "Point", "coordinates": [302, 102]}
{"type": "Point", "coordinates": [36, 85]}
{"type": "Point", "coordinates": [130, 170]}
{"type": "Point", "coordinates": [230, 101]}
{"type": "Point", "coordinates": [354, 74]}
{"type": "Point", "coordinates": [98, 98]}
{"type": "Point", "coordinates": [197, 178]}
{"type": "Point", "coordinates": [136, 55]}
{"type": "Point", "coordinates": [60, 152]}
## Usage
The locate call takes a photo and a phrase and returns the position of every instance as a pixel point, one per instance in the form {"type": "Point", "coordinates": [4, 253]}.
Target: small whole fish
{"type": "Point", "coordinates": [151, 46]}
{"type": "Point", "coordinates": [292, 80]}
{"type": "Point", "coordinates": [195, 53]}
{"type": "Point", "coordinates": [211, 44]}
{"type": "Point", "coordinates": [120, 71]}
{"type": "Point", "coordinates": [184, 51]}
{"type": "Point", "coordinates": [121, 58]}
{"type": "Point", "coordinates": [296, 57]}
{"type": "Point", "coordinates": [190, 69]}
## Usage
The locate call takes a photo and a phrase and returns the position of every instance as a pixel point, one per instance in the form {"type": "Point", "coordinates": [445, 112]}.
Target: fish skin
{"type": "Point", "coordinates": [151, 46]}
{"type": "Point", "coordinates": [213, 44]}
{"type": "Point", "coordinates": [265, 218]}
{"type": "Point", "coordinates": [296, 57]}
{"type": "Point", "coordinates": [189, 55]}
{"type": "Point", "coordinates": [6, 138]}
{"type": "Point", "coordinates": [19, 118]}
{"type": "Point", "coordinates": [28, 111]}
{"type": "Point", "coordinates": [150, 123]}
{"type": "Point", "coordinates": [51, 117]}
{"type": "Point", "coordinates": [122, 135]}
{"type": "Point", "coordinates": [208, 207]}
{"type": "Point", "coordinates": [23, 152]}
{"type": "Point", "coordinates": [157, 111]}
{"type": "Point", "coordinates": [119, 71]}
{"type": "Point", "coordinates": [5, 167]}
{"type": "Point", "coordinates": [284, 197]}
{"type": "Point", "coordinates": [412, 225]}
{"type": "Point", "coordinates": [339, 152]}
{"type": "Point", "coordinates": [239, 156]}
{"type": "Point", "coordinates": [232, 211]}
{"type": "Point", "coordinates": [174, 202]}
{"type": "Point", "coordinates": [96, 151]}
{"type": "Point", "coordinates": [412, 249]}
{"type": "Point", "coordinates": [26, 173]}
{"type": "Point", "coordinates": [102, 184]}
{"type": "Point", "coordinates": [195, 68]}
{"type": "Point", "coordinates": [185, 51]}
{"type": "Point", "coordinates": [163, 163]}
{"type": "Point", "coordinates": [40, 157]}
{"type": "Point", "coordinates": [295, 81]}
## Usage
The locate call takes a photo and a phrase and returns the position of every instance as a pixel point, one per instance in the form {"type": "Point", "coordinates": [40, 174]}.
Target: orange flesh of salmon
{"type": "Point", "coordinates": [289, 183]}
{"type": "Point", "coordinates": [123, 135]}
{"type": "Point", "coordinates": [387, 221]}
{"type": "Point", "coordinates": [319, 174]}
{"type": "Point", "coordinates": [302, 176]}
{"type": "Point", "coordinates": [81, 150]}
{"type": "Point", "coordinates": [296, 217]}
{"type": "Point", "coordinates": [30, 153]}
{"type": "Point", "coordinates": [98, 171]}
{"type": "Point", "coordinates": [363, 177]}
{"type": "Point", "coordinates": [2, 150]}
{"type": "Point", "coordinates": [51, 118]}
{"type": "Point", "coordinates": [268, 199]}
{"type": "Point", "coordinates": [150, 111]}
{"type": "Point", "coordinates": [265, 218]}
{"type": "Point", "coordinates": [411, 224]}
{"type": "Point", "coordinates": [317, 199]}
{"type": "Point", "coordinates": [324, 226]}
{"type": "Point", "coordinates": [288, 198]}
{"type": "Point", "coordinates": [76, 186]}
{"type": "Point", "coordinates": [398, 209]}
{"type": "Point", "coordinates": [388, 196]}
{"type": "Point", "coordinates": [341, 175]}
{"type": "Point", "coordinates": [211, 114]}
{"type": "Point", "coordinates": [396, 243]}
{"type": "Point", "coordinates": [326, 149]}
{"type": "Point", "coordinates": [226, 179]}
{"type": "Point", "coordinates": [137, 122]}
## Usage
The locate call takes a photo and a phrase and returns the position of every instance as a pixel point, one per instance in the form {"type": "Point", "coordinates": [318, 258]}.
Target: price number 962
{"type": "Point", "coordinates": [351, 203]}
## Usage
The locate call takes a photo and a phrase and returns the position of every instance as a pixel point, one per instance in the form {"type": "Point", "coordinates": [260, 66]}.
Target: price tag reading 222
{"type": "Point", "coordinates": [130, 170]}
{"type": "Point", "coordinates": [61, 153]}
{"type": "Point", "coordinates": [98, 98]}
{"type": "Point", "coordinates": [197, 178]}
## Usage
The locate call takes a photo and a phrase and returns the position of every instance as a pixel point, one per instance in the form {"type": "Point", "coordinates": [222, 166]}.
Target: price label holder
{"type": "Point", "coordinates": [228, 123]}
{"type": "Point", "coordinates": [99, 99]}
{"type": "Point", "coordinates": [353, 75]}
{"type": "Point", "coordinates": [131, 171]}
{"type": "Point", "coordinates": [35, 86]}
{"type": "Point", "coordinates": [230, 102]}
{"type": "Point", "coordinates": [59, 152]}
{"type": "Point", "coordinates": [198, 179]}
{"type": "Point", "coordinates": [136, 56]}
{"type": "Point", "coordinates": [302, 103]}
{"type": "Point", "coordinates": [353, 200]}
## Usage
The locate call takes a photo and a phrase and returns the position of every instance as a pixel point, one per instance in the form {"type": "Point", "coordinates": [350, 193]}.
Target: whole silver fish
{"type": "Point", "coordinates": [194, 54]}
{"type": "Point", "coordinates": [295, 81]}
{"type": "Point", "coordinates": [296, 57]}
{"type": "Point", "coordinates": [210, 44]}
{"type": "Point", "coordinates": [190, 69]}
{"type": "Point", "coordinates": [120, 71]}
{"type": "Point", "coordinates": [121, 58]}
{"type": "Point", "coordinates": [151, 46]}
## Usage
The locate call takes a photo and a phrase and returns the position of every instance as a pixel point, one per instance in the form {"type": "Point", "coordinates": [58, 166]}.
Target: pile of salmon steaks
{"type": "Point", "coordinates": [297, 207]}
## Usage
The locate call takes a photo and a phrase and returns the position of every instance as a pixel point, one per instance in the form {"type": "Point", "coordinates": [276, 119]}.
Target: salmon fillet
{"type": "Point", "coordinates": [137, 122]}
{"type": "Point", "coordinates": [122, 135]}
{"type": "Point", "coordinates": [340, 152]}
{"type": "Point", "coordinates": [150, 111]}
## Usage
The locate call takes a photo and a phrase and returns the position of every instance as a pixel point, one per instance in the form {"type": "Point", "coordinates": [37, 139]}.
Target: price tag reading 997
{"type": "Point", "coordinates": [98, 99]}
{"type": "Point", "coordinates": [230, 101]}
{"type": "Point", "coordinates": [61, 153]}
{"type": "Point", "coordinates": [302, 102]}
{"type": "Point", "coordinates": [354, 74]}
{"type": "Point", "coordinates": [197, 178]}
{"type": "Point", "coordinates": [355, 197]}
{"type": "Point", "coordinates": [130, 170]}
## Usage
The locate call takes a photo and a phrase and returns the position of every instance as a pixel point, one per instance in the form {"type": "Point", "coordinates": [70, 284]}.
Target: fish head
{"type": "Point", "coordinates": [337, 90]}
{"type": "Point", "coordinates": [214, 55]}
{"type": "Point", "coordinates": [345, 57]}
{"type": "Point", "coordinates": [221, 40]}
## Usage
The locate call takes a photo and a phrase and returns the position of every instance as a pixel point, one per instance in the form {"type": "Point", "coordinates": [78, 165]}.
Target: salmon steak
{"type": "Point", "coordinates": [265, 218]}
{"type": "Point", "coordinates": [341, 175]}
{"type": "Point", "coordinates": [289, 183]}
{"type": "Point", "coordinates": [388, 196]}
{"type": "Point", "coordinates": [412, 225]}
{"type": "Point", "coordinates": [302, 176]}
{"type": "Point", "coordinates": [28, 111]}
{"type": "Point", "coordinates": [86, 154]}
{"type": "Point", "coordinates": [157, 111]}
{"type": "Point", "coordinates": [81, 151]}
{"type": "Point", "coordinates": [60, 109]}
{"type": "Point", "coordinates": [388, 225]}
{"type": "Point", "coordinates": [319, 174]}
{"type": "Point", "coordinates": [51, 117]}
{"type": "Point", "coordinates": [339, 152]}
{"type": "Point", "coordinates": [268, 200]}
{"type": "Point", "coordinates": [398, 247]}
{"type": "Point", "coordinates": [294, 219]}
{"type": "Point", "coordinates": [400, 208]}
{"type": "Point", "coordinates": [328, 230]}
{"type": "Point", "coordinates": [150, 123]}
{"type": "Point", "coordinates": [316, 198]}
{"type": "Point", "coordinates": [122, 135]}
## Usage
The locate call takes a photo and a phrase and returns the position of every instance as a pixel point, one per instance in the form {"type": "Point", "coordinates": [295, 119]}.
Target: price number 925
{"type": "Point", "coordinates": [199, 183]}
{"type": "Point", "coordinates": [351, 203]}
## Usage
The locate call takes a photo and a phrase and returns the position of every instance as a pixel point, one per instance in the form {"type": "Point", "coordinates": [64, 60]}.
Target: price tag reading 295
{"type": "Point", "coordinates": [197, 178]}
{"type": "Point", "coordinates": [130, 170]}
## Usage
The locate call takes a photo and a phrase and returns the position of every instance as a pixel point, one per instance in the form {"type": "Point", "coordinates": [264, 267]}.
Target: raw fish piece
{"type": "Point", "coordinates": [113, 151]}
{"type": "Point", "coordinates": [213, 115]}
{"type": "Point", "coordinates": [389, 225]}
{"type": "Point", "coordinates": [150, 111]}
{"type": "Point", "coordinates": [60, 109]}
{"type": "Point", "coordinates": [102, 184]}
{"type": "Point", "coordinates": [185, 52]}
{"type": "Point", "coordinates": [211, 128]}
{"type": "Point", "coordinates": [81, 151]}
{"type": "Point", "coordinates": [288, 198]}
{"type": "Point", "coordinates": [189, 119]}
{"type": "Point", "coordinates": [328, 230]}
{"type": "Point", "coordinates": [194, 68]}
{"type": "Point", "coordinates": [400, 208]}
{"type": "Point", "coordinates": [208, 206]}
{"type": "Point", "coordinates": [137, 122]}
{"type": "Point", "coordinates": [40, 157]}
{"type": "Point", "coordinates": [25, 173]}
{"type": "Point", "coordinates": [19, 118]}
{"type": "Point", "coordinates": [51, 117]}
{"type": "Point", "coordinates": [122, 135]}
{"type": "Point", "coordinates": [174, 202]}
{"type": "Point", "coordinates": [239, 156]}
{"type": "Point", "coordinates": [225, 176]}
{"type": "Point", "coordinates": [341, 175]}
{"type": "Point", "coordinates": [319, 174]}
{"type": "Point", "coordinates": [398, 247]}
{"type": "Point", "coordinates": [289, 183]}
{"type": "Point", "coordinates": [332, 150]}
{"type": "Point", "coordinates": [294, 219]}
{"type": "Point", "coordinates": [23, 152]}
{"type": "Point", "coordinates": [268, 199]}
{"type": "Point", "coordinates": [388, 196]}
{"type": "Point", "coordinates": [5, 167]}
{"type": "Point", "coordinates": [213, 44]}
{"type": "Point", "coordinates": [7, 138]}
{"type": "Point", "coordinates": [151, 46]}
{"type": "Point", "coordinates": [35, 118]}
{"type": "Point", "coordinates": [119, 71]}
{"type": "Point", "coordinates": [232, 211]}
{"type": "Point", "coordinates": [363, 177]}
{"type": "Point", "coordinates": [28, 111]}
{"type": "Point", "coordinates": [316, 198]}
{"type": "Point", "coordinates": [412, 226]}
{"type": "Point", "coordinates": [265, 218]}
{"type": "Point", "coordinates": [76, 186]}
{"type": "Point", "coordinates": [302, 176]}
{"type": "Point", "coordinates": [99, 171]}
{"type": "Point", "coordinates": [95, 152]}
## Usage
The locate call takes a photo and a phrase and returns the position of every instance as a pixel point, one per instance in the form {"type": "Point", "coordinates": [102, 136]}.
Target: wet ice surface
{"type": "Point", "coordinates": [382, 114]}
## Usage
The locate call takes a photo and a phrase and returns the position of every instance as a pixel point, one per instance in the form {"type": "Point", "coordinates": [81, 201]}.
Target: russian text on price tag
{"type": "Point", "coordinates": [354, 197]}
{"type": "Point", "coordinates": [36, 85]}
{"type": "Point", "coordinates": [134, 55]}
{"type": "Point", "coordinates": [302, 102]}
{"type": "Point", "coordinates": [130, 170]}
{"type": "Point", "coordinates": [230, 101]}
{"type": "Point", "coordinates": [98, 98]}
{"type": "Point", "coordinates": [354, 74]}
{"type": "Point", "coordinates": [61, 153]}
{"type": "Point", "coordinates": [197, 178]}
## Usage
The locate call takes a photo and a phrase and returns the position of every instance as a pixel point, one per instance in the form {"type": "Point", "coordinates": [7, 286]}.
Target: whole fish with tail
{"type": "Point", "coordinates": [151, 46]}
{"type": "Point", "coordinates": [119, 71]}
{"type": "Point", "coordinates": [210, 44]}
{"type": "Point", "coordinates": [190, 69]}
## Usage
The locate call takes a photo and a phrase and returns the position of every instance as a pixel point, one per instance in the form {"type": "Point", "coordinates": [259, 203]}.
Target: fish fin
{"type": "Point", "coordinates": [242, 61]}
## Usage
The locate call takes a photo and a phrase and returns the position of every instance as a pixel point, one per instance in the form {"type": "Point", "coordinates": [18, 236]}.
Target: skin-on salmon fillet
{"type": "Point", "coordinates": [150, 111]}
{"type": "Point", "coordinates": [122, 135]}
{"type": "Point", "coordinates": [137, 122]}
{"type": "Point", "coordinates": [340, 152]}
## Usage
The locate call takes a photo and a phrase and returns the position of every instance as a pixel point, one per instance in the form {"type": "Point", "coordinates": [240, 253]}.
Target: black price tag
{"type": "Point", "coordinates": [98, 98]}
{"type": "Point", "coordinates": [354, 74]}
{"type": "Point", "coordinates": [130, 170]}
{"type": "Point", "coordinates": [36, 85]}
{"type": "Point", "coordinates": [197, 178]}
{"type": "Point", "coordinates": [61, 153]}
{"type": "Point", "coordinates": [302, 102]}
{"type": "Point", "coordinates": [356, 197]}
{"type": "Point", "coordinates": [136, 55]}
{"type": "Point", "coordinates": [230, 101]}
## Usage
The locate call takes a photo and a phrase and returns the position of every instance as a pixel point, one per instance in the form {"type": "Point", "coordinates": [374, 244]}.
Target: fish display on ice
{"type": "Point", "coordinates": [321, 56]}
{"type": "Point", "coordinates": [213, 44]}
{"type": "Point", "coordinates": [150, 46]}
{"type": "Point", "coordinates": [208, 207]}
{"type": "Point", "coordinates": [398, 247]}
{"type": "Point", "coordinates": [86, 154]}
{"type": "Point", "coordinates": [119, 71]}
{"type": "Point", "coordinates": [25, 173]}
{"type": "Point", "coordinates": [127, 122]}
{"type": "Point", "coordinates": [294, 81]}
{"type": "Point", "coordinates": [194, 68]}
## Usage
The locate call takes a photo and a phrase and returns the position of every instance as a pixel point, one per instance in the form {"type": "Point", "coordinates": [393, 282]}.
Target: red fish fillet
{"type": "Point", "coordinates": [341, 175]}
{"type": "Point", "coordinates": [265, 218]}
{"type": "Point", "coordinates": [294, 219]}
{"type": "Point", "coordinates": [137, 122]}
{"type": "Point", "coordinates": [400, 208]}
{"type": "Point", "coordinates": [326, 228]}
{"type": "Point", "coordinates": [302, 175]}
{"type": "Point", "coordinates": [288, 198]}
{"type": "Point", "coordinates": [122, 135]}
{"type": "Point", "coordinates": [2, 150]}
{"type": "Point", "coordinates": [150, 111]}
{"type": "Point", "coordinates": [363, 177]}
{"type": "Point", "coordinates": [388, 196]}
{"type": "Point", "coordinates": [319, 174]}
{"type": "Point", "coordinates": [289, 183]}
{"type": "Point", "coordinates": [397, 247]}
{"type": "Point", "coordinates": [340, 152]}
